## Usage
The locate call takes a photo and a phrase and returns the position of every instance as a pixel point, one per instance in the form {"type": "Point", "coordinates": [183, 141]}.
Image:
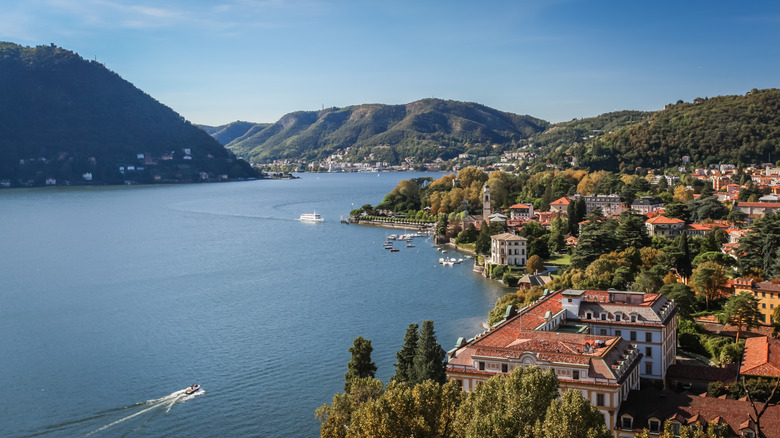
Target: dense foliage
{"type": "Point", "coordinates": [62, 116]}
{"type": "Point", "coordinates": [523, 403]}
{"type": "Point", "coordinates": [725, 129]}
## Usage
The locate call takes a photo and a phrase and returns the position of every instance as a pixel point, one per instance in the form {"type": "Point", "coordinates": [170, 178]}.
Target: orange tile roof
{"type": "Point", "coordinates": [664, 220]}
{"type": "Point", "coordinates": [519, 206]}
{"type": "Point", "coordinates": [561, 201]}
{"type": "Point", "coordinates": [761, 357]}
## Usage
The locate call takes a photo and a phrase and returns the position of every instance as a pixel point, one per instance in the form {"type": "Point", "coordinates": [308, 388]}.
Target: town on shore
{"type": "Point", "coordinates": [655, 296]}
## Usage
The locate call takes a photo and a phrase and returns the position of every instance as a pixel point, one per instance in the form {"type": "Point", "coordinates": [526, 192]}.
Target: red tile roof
{"type": "Point", "coordinates": [664, 220]}
{"type": "Point", "coordinates": [561, 201]}
{"type": "Point", "coordinates": [687, 409]}
{"type": "Point", "coordinates": [519, 206]}
{"type": "Point", "coordinates": [761, 357]}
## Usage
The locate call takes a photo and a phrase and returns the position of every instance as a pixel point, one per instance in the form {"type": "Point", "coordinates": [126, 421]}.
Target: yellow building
{"type": "Point", "coordinates": [768, 295]}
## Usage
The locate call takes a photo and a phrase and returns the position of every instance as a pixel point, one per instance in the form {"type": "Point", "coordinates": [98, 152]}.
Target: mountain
{"type": "Point", "coordinates": [225, 134]}
{"type": "Point", "coordinates": [425, 130]}
{"type": "Point", "coordinates": [737, 130]}
{"type": "Point", "coordinates": [63, 117]}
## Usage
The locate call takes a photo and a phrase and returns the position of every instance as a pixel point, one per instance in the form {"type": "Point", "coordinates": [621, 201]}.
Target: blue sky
{"type": "Point", "coordinates": [219, 61]}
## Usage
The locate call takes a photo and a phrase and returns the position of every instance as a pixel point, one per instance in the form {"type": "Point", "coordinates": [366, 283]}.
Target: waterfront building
{"type": "Point", "coordinates": [604, 369]}
{"type": "Point", "coordinates": [507, 249]}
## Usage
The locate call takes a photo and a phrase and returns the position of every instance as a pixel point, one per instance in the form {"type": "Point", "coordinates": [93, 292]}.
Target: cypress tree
{"type": "Point", "coordinates": [429, 357]}
{"type": "Point", "coordinates": [404, 368]}
{"type": "Point", "coordinates": [360, 365]}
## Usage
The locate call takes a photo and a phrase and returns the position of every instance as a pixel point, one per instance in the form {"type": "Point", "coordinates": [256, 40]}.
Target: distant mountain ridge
{"type": "Point", "coordinates": [725, 129]}
{"type": "Point", "coordinates": [63, 117]}
{"type": "Point", "coordinates": [426, 129]}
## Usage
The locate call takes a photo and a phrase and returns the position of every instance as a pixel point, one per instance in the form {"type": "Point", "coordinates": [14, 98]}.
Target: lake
{"type": "Point", "coordinates": [115, 299]}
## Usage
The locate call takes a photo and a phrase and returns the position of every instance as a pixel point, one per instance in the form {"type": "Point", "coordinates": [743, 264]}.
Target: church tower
{"type": "Point", "coordinates": [485, 202]}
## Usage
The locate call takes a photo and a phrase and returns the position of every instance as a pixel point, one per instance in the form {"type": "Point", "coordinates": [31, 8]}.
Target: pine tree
{"type": "Point", "coordinates": [404, 368]}
{"type": "Point", "coordinates": [360, 365]}
{"type": "Point", "coordinates": [429, 357]}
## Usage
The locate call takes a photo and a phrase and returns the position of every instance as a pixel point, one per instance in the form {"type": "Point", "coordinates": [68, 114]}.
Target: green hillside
{"type": "Point", "coordinates": [225, 134]}
{"type": "Point", "coordinates": [726, 129]}
{"type": "Point", "coordinates": [425, 130]}
{"type": "Point", "coordinates": [62, 117]}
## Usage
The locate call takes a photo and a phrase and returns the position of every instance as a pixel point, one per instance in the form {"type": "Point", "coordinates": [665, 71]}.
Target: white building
{"type": "Point", "coordinates": [507, 249]}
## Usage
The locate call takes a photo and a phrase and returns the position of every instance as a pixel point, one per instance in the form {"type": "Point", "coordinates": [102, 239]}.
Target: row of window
{"type": "Point", "coordinates": [505, 369]}
{"type": "Point", "coordinates": [631, 334]}
{"type": "Point", "coordinates": [604, 316]}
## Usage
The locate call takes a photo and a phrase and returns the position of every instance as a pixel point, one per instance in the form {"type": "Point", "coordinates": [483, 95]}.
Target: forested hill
{"type": "Point", "coordinates": [225, 134]}
{"type": "Point", "coordinates": [62, 117]}
{"type": "Point", "coordinates": [426, 129]}
{"type": "Point", "coordinates": [725, 129]}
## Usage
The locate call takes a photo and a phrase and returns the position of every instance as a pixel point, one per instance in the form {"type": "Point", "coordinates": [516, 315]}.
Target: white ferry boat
{"type": "Point", "coordinates": [311, 217]}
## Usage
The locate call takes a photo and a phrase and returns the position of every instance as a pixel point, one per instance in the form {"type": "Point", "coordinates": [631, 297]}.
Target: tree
{"type": "Point", "coordinates": [742, 311]}
{"type": "Point", "coordinates": [572, 416]}
{"type": "Point", "coordinates": [360, 365]}
{"type": "Point", "coordinates": [508, 405]}
{"type": "Point", "coordinates": [708, 279]}
{"type": "Point", "coordinates": [682, 194]}
{"type": "Point", "coordinates": [631, 231]}
{"type": "Point", "coordinates": [337, 416]}
{"type": "Point", "coordinates": [429, 356]}
{"type": "Point", "coordinates": [404, 368]}
{"type": "Point", "coordinates": [426, 410]}
{"type": "Point", "coordinates": [482, 244]}
{"type": "Point", "coordinates": [776, 322]}
{"type": "Point", "coordinates": [683, 297]}
{"type": "Point", "coordinates": [441, 225]}
{"type": "Point", "coordinates": [535, 264]}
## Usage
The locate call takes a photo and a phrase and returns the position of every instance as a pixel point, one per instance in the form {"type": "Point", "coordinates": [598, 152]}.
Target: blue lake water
{"type": "Point", "coordinates": [113, 300]}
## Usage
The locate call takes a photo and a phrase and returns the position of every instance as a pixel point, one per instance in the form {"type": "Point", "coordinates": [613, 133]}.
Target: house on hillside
{"type": "Point", "coordinates": [768, 295]}
{"type": "Point", "coordinates": [665, 227]}
{"type": "Point", "coordinates": [561, 205]}
{"type": "Point", "coordinates": [521, 211]}
{"type": "Point", "coordinates": [647, 204]}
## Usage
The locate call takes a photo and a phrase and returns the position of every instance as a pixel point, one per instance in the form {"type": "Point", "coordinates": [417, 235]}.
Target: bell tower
{"type": "Point", "coordinates": [485, 202]}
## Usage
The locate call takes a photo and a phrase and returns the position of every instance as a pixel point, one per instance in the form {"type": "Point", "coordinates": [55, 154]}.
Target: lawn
{"type": "Point", "coordinates": [562, 261]}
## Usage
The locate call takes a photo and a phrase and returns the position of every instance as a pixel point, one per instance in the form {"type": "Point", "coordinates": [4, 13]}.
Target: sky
{"type": "Point", "coordinates": [219, 61]}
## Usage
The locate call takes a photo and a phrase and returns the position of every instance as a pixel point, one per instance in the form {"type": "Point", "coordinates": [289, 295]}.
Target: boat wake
{"type": "Point", "coordinates": [153, 406]}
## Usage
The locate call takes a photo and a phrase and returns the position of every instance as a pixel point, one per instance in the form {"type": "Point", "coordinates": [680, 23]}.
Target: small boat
{"type": "Point", "coordinates": [311, 217]}
{"type": "Point", "coordinates": [394, 250]}
{"type": "Point", "coordinates": [409, 245]}
{"type": "Point", "coordinates": [192, 389]}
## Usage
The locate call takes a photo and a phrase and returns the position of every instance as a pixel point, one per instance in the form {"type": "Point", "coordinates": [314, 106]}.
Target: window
{"type": "Point", "coordinates": [460, 383]}
{"type": "Point", "coordinates": [603, 316]}
{"type": "Point", "coordinates": [763, 294]}
{"type": "Point", "coordinates": [655, 426]}
{"type": "Point", "coordinates": [633, 335]}
{"type": "Point", "coordinates": [617, 333]}
{"type": "Point", "coordinates": [748, 434]}
{"type": "Point", "coordinates": [648, 337]}
{"type": "Point", "coordinates": [599, 399]}
{"type": "Point", "coordinates": [482, 366]}
{"type": "Point", "coordinates": [633, 318]}
{"type": "Point", "coordinates": [676, 428]}
{"type": "Point", "coordinates": [648, 368]}
{"type": "Point", "coordinates": [603, 332]}
{"type": "Point", "coordinates": [626, 423]}
{"type": "Point", "coordinates": [763, 305]}
{"type": "Point", "coordinates": [617, 317]}
{"type": "Point", "coordinates": [504, 368]}
{"type": "Point", "coordinates": [588, 315]}
{"type": "Point", "coordinates": [648, 352]}
{"type": "Point", "coordinates": [576, 375]}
